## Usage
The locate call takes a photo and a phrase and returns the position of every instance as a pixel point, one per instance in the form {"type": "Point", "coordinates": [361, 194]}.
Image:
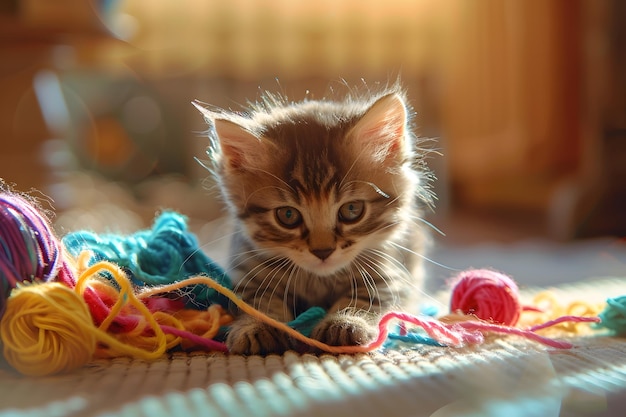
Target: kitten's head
{"type": "Point", "coordinates": [318, 182]}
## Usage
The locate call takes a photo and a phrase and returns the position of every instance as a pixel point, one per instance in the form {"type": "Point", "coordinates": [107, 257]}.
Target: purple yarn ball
{"type": "Point", "coordinates": [28, 248]}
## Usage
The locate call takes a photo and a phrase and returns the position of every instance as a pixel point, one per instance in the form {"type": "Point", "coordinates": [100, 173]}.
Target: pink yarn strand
{"type": "Point", "coordinates": [435, 329]}
{"type": "Point", "coordinates": [563, 319]}
{"type": "Point", "coordinates": [533, 309]}
{"type": "Point", "coordinates": [208, 344]}
{"type": "Point", "coordinates": [495, 328]}
{"type": "Point", "coordinates": [471, 332]}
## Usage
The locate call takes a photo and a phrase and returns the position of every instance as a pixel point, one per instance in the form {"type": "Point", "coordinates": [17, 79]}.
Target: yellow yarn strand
{"type": "Point", "coordinates": [246, 308]}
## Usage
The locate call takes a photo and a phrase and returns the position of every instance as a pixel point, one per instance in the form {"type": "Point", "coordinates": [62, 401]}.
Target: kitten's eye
{"type": "Point", "coordinates": [351, 212]}
{"type": "Point", "coordinates": [288, 217]}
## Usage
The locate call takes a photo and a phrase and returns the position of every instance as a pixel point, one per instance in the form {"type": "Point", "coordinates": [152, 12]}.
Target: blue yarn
{"type": "Point", "coordinates": [396, 339]}
{"type": "Point", "coordinates": [413, 338]}
{"type": "Point", "coordinates": [614, 315]}
{"type": "Point", "coordinates": [165, 254]}
{"type": "Point", "coordinates": [430, 310]}
{"type": "Point", "coordinates": [306, 322]}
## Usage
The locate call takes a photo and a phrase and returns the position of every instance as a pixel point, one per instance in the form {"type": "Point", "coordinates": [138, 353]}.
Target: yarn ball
{"type": "Point", "coordinates": [28, 248]}
{"type": "Point", "coordinates": [486, 294]}
{"type": "Point", "coordinates": [613, 317]}
{"type": "Point", "coordinates": [162, 255]}
{"type": "Point", "coordinates": [46, 330]}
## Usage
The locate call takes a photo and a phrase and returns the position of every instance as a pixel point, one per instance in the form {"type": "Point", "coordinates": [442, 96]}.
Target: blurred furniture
{"type": "Point", "coordinates": [533, 112]}
{"type": "Point", "coordinates": [526, 98]}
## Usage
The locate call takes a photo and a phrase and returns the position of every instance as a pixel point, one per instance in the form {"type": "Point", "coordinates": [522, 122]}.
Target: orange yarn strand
{"type": "Point", "coordinates": [246, 308]}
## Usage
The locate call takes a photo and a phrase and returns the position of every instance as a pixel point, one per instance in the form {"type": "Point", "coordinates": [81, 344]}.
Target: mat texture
{"type": "Point", "coordinates": [506, 376]}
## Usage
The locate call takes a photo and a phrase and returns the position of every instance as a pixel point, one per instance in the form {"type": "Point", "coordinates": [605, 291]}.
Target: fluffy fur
{"type": "Point", "coordinates": [326, 197]}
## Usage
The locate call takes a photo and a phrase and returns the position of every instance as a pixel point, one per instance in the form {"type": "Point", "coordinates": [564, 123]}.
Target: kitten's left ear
{"type": "Point", "coordinates": [383, 128]}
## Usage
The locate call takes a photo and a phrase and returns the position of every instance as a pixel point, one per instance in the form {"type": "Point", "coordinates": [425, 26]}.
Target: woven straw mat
{"type": "Point", "coordinates": [506, 376]}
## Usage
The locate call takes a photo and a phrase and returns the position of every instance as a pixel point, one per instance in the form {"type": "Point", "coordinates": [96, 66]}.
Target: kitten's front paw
{"type": "Point", "coordinates": [344, 330]}
{"type": "Point", "coordinates": [248, 336]}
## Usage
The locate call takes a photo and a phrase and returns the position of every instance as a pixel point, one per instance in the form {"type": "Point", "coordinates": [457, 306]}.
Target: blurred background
{"type": "Point", "coordinates": [527, 101]}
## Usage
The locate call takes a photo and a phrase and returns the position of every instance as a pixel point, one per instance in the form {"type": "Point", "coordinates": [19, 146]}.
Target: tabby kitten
{"type": "Point", "coordinates": [326, 198]}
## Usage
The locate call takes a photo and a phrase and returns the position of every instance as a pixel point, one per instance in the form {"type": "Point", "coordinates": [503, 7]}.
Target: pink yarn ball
{"type": "Point", "coordinates": [488, 295]}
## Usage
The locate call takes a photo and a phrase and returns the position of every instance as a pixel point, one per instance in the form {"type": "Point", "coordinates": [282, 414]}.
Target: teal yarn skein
{"type": "Point", "coordinates": [613, 317]}
{"type": "Point", "coordinates": [164, 254]}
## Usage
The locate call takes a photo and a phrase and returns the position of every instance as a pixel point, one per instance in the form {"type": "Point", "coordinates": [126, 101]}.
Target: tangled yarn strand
{"type": "Point", "coordinates": [457, 334]}
{"type": "Point", "coordinates": [126, 296]}
{"type": "Point", "coordinates": [48, 327]}
{"type": "Point", "coordinates": [454, 334]}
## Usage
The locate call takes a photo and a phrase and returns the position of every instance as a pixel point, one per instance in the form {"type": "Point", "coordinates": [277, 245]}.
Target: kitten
{"type": "Point", "coordinates": [326, 197]}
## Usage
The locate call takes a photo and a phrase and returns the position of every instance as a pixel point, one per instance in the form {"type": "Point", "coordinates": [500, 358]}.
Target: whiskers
{"type": "Point", "coordinates": [427, 223]}
{"type": "Point", "coordinates": [424, 257]}
{"type": "Point", "coordinates": [390, 272]}
{"type": "Point", "coordinates": [363, 267]}
{"type": "Point", "coordinates": [267, 282]}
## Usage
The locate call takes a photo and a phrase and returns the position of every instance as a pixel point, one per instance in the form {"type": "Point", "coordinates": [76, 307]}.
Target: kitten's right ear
{"type": "Point", "coordinates": [236, 143]}
{"type": "Point", "coordinates": [239, 147]}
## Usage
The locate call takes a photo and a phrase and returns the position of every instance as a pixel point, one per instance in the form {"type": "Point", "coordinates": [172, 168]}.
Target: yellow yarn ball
{"type": "Point", "coordinates": [47, 329]}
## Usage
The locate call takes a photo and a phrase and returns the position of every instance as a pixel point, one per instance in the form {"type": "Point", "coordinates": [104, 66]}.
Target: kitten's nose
{"type": "Point", "coordinates": [322, 253]}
